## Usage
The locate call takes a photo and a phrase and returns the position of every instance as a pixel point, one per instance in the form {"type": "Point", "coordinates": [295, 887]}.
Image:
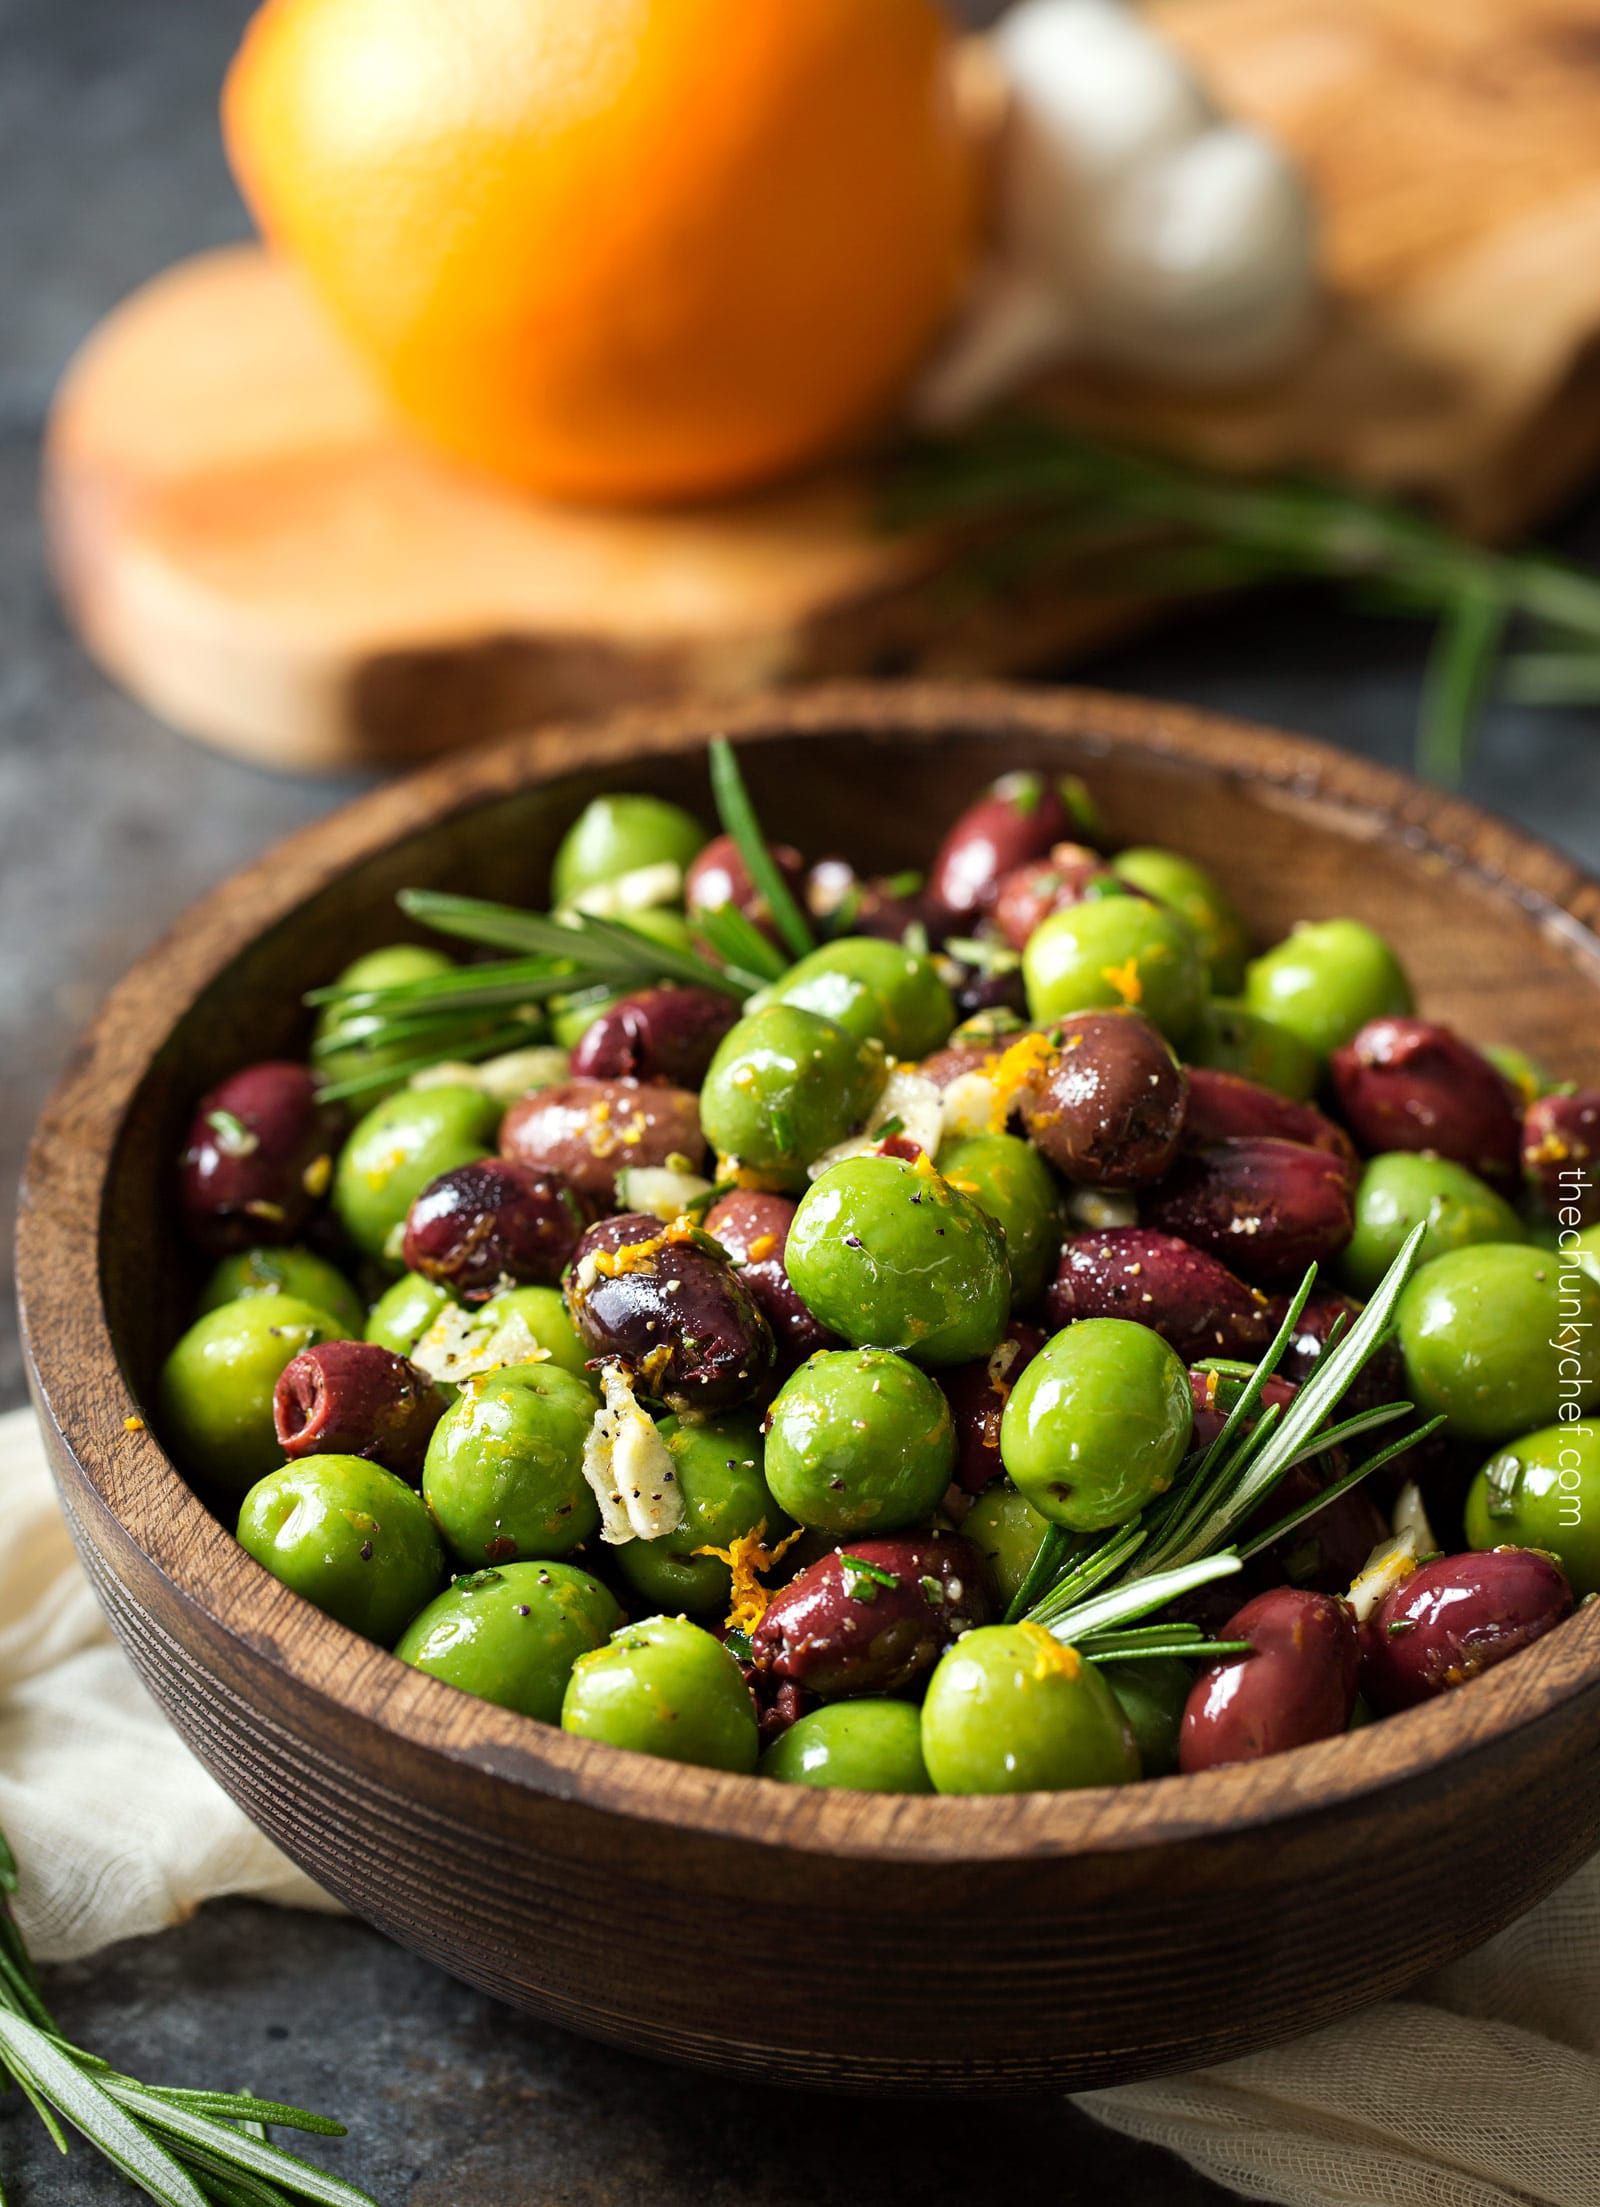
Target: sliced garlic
{"type": "Point", "coordinates": [1410, 1516]}
{"type": "Point", "coordinates": [660, 1191]}
{"type": "Point", "coordinates": [1390, 1564]}
{"type": "Point", "coordinates": [460, 1345]}
{"type": "Point", "coordinates": [1101, 1207]}
{"type": "Point", "coordinates": [505, 1078]}
{"type": "Point", "coordinates": [971, 1104]}
{"type": "Point", "coordinates": [910, 1099]}
{"type": "Point", "coordinates": [629, 1468]}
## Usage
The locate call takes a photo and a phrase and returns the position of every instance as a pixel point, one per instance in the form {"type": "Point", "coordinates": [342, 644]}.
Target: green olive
{"type": "Point", "coordinates": [1198, 897]}
{"type": "Point", "coordinates": [1004, 1526]}
{"type": "Point", "coordinates": [725, 1498]}
{"type": "Point", "coordinates": [859, 1441]}
{"type": "Point", "coordinates": [867, 1746]}
{"type": "Point", "coordinates": [784, 1086]}
{"type": "Point", "coordinates": [1151, 1694]}
{"type": "Point", "coordinates": [888, 1255]}
{"type": "Point", "coordinates": [1405, 1188]}
{"type": "Point", "coordinates": [1007, 1177]}
{"type": "Point", "coordinates": [1498, 1337]}
{"type": "Point", "coordinates": [613, 836]}
{"type": "Point", "coordinates": [1230, 1038]}
{"type": "Point", "coordinates": [1543, 1491]}
{"type": "Point", "coordinates": [216, 1386]}
{"type": "Point", "coordinates": [878, 991]}
{"type": "Point", "coordinates": [1098, 1424]}
{"type": "Point", "coordinates": [664, 1687]}
{"type": "Point", "coordinates": [504, 1469]}
{"type": "Point", "coordinates": [1117, 950]}
{"type": "Point", "coordinates": [337, 1046]}
{"type": "Point", "coordinates": [350, 1537]}
{"type": "Point", "coordinates": [1325, 980]}
{"type": "Point", "coordinates": [1526, 1075]}
{"type": "Point", "coordinates": [1010, 1710]}
{"type": "Point", "coordinates": [512, 1635]}
{"type": "Point", "coordinates": [297, 1272]}
{"type": "Point", "coordinates": [404, 1312]}
{"type": "Point", "coordinates": [408, 1140]}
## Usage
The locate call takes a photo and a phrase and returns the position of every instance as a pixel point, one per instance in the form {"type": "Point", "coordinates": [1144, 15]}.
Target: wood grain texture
{"type": "Point", "coordinates": [850, 1941]}
{"type": "Point", "coordinates": [247, 541]}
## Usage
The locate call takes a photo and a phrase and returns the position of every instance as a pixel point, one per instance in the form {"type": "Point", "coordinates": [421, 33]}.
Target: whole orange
{"type": "Point", "coordinates": [619, 250]}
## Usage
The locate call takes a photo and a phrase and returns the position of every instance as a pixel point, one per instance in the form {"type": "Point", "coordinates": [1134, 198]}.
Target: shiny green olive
{"type": "Point", "coordinates": [337, 1052]}
{"type": "Point", "coordinates": [1198, 897]}
{"type": "Point", "coordinates": [613, 836]}
{"type": "Point", "coordinates": [1543, 1491]}
{"type": "Point", "coordinates": [504, 1470]}
{"type": "Point", "coordinates": [867, 1746]}
{"type": "Point", "coordinates": [216, 1385]}
{"type": "Point", "coordinates": [1098, 1423]}
{"type": "Point", "coordinates": [784, 1086]}
{"type": "Point", "coordinates": [888, 1255]}
{"type": "Point", "coordinates": [725, 1498]}
{"type": "Point", "coordinates": [1325, 980]}
{"type": "Point", "coordinates": [512, 1635]}
{"type": "Point", "coordinates": [297, 1272]}
{"type": "Point", "coordinates": [878, 991]}
{"type": "Point", "coordinates": [1151, 1694]}
{"type": "Point", "coordinates": [1586, 1249]}
{"type": "Point", "coordinates": [1497, 1337]}
{"type": "Point", "coordinates": [1007, 1177]}
{"type": "Point", "coordinates": [350, 1537]}
{"type": "Point", "coordinates": [1117, 950]}
{"type": "Point", "coordinates": [1230, 1038]}
{"type": "Point", "coordinates": [404, 1312]}
{"type": "Point", "coordinates": [1004, 1526]}
{"type": "Point", "coordinates": [1404, 1188]}
{"type": "Point", "coordinates": [664, 1687]}
{"type": "Point", "coordinates": [393, 1153]}
{"type": "Point", "coordinates": [859, 1441]}
{"type": "Point", "coordinates": [571, 1017]}
{"type": "Point", "coordinates": [1010, 1710]}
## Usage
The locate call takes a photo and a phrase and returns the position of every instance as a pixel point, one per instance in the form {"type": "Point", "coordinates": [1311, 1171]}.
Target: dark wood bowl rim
{"type": "Point", "coordinates": [59, 1250]}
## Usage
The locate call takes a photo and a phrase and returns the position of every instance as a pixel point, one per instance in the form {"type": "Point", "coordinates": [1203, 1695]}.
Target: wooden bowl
{"type": "Point", "coordinates": [832, 1939]}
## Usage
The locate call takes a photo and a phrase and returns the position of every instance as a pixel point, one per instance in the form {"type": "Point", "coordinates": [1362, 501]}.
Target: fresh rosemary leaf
{"type": "Point", "coordinates": [36, 2059]}
{"type": "Point", "coordinates": [243, 2191]}
{"type": "Point", "coordinates": [241, 2107]}
{"type": "Point", "coordinates": [467, 1049]}
{"type": "Point", "coordinates": [1553, 678]}
{"type": "Point", "coordinates": [8, 1868]}
{"type": "Point", "coordinates": [1459, 671]}
{"type": "Point", "coordinates": [740, 944]}
{"type": "Point", "coordinates": [1050, 1555]}
{"type": "Point", "coordinates": [1108, 1647]}
{"type": "Point", "coordinates": [738, 818]}
{"type": "Point", "coordinates": [237, 2150]}
{"type": "Point", "coordinates": [1320, 1501]}
{"type": "Point", "coordinates": [1089, 1570]}
{"type": "Point", "coordinates": [605, 949]}
{"type": "Point", "coordinates": [1136, 1597]}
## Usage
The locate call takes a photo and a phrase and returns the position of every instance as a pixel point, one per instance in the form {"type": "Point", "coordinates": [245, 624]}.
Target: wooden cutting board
{"type": "Point", "coordinates": [248, 543]}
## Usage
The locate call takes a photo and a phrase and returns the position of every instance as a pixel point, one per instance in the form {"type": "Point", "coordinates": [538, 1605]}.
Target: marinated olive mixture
{"type": "Point", "coordinates": [729, 1371]}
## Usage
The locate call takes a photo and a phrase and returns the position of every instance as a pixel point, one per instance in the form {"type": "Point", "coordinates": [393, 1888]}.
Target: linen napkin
{"type": "Point", "coordinates": [1480, 2089]}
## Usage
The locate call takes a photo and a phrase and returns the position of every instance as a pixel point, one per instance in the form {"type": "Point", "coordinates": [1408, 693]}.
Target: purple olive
{"type": "Point", "coordinates": [1381, 1379]}
{"type": "Point", "coordinates": [977, 1395]}
{"type": "Point", "coordinates": [1560, 1141]}
{"type": "Point", "coordinates": [1180, 1292]}
{"type": "Point", "coordinates": [258, 1160]}
{"type": "Point", "coordinates": [838, 1630]}
{"type": "Point", "coordinates": [985, 988]}
{"type": "Point", "coordinates": [1106, 1104]}
{"type": "Point", "coordinates": [664, 1034]}
{"type": "Point", "coordinates": [844, 903]}
{"type": "Point", "coordinates": [957, 1059]}
{"type": "Point", "coordinates": [1227, 1107]}
{"type": "Point", "coordinates": [1456, 1617]}
{"type": "Point", "coordinates": [353, 1398]}
{"type": "Point", "coordinates": [1017, 818]}
{"type": "Point", "coordinates": [1067, 875]}
{"type": "Point", "coordinates": [1267, 1208]}
{"type": "Point", "coordinates": [481, 1226]}
{"type": "Point", "coordinates": [1298, 1686]}
{"type": "Point", "coordinates": [719, 876]}
{"type": "Point", "coordinates": [1214, 1395]}
{"type": "Point", "coordinates": [1410, 1084]}
{"type": "Point", "coordinates": [666, 1303]}
{"type": "Point", "coordinates": [754, 1229]}
{"type": "Point", "coordinates": [587, 1131]}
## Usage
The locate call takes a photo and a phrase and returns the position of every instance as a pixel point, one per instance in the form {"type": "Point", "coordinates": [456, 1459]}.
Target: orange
{"type": "Point", "coordinates": [622, 250]}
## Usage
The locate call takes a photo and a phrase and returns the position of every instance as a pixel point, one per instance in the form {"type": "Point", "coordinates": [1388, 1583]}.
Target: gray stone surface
{"type": "Point", "coordinates": [109, 826]}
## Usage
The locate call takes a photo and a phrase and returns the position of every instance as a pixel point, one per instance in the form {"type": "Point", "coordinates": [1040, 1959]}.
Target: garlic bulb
{"type": "Point", "coordinates": [1136, 226]}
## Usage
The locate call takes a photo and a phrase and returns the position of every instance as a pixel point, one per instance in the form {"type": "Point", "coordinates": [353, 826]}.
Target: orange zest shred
{"type": "Point", "coordinates": [633, 1256]}
{"type": "Point", "coordinates": [1125, 979]}
{"type": "Point", "coordinates": [1015, 1067]}
{"type": "Point", "coordinates": [746, 1555]}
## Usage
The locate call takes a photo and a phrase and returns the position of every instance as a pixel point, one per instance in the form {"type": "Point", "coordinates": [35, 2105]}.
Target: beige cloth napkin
{"type": "Point", "coordinates": [1481, 2089]}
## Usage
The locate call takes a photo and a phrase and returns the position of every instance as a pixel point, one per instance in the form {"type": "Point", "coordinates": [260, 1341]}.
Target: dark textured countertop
{"type": "Point", "coordinates": [109, 826]}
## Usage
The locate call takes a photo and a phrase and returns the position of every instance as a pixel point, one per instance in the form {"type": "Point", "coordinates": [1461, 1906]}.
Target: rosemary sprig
{"type": "Point", "coordinates": [738, 817]}
{"type": "Point", "coordinates": [1192, 1535]}
{"type": "Point", "coordinates": [604, 950]}
{"type": "Point", "coordinates": [745, 952]}
{"type": "Point", "coordinates": [1043, 496]}
{"type": "Point", "coordinates": [181, 2148]}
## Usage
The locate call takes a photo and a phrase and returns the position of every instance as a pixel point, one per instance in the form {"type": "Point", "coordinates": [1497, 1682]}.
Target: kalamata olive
{"type": "Point", "coordinates": [957, 1059]}
{"type": "Point", "coordinates": [1226, 1106]}
{"type": "Point", "coordinates": [977, 1394]}
{"type": "Point", "coordinates": [719, 876]}
{"type": "Point", "coordinates": [1456, 1617]}
{"type": "Point", "coordinates": [1265, 1207]}
{"type": "Point", "coordinates": [666, 1303]}
{"type": "Point", "coordinates": [481, 1226]}
{"type": "Point", "coordinates": [754, 1229]}
{"type": "Point", "coordinates": [1381, 1379]}
{"type": "Point", "coordinates": [258, 1159]}
{"type": "Point", "coordinates": [1560, 1141]}
{"type": "Point", "coordinates": [1017, 818]}
{"type": "Point", "coordinates": [1412, 1084]}
{"type": "Point", "coordinates": [1065, 876]}
{"type": "Point", "coordinates": [988, 987]}
{"type": "Point", "coordinates": [1188, 1297]}
{"type": "Point", "coordinates": [664, 1034]}
{"type": "Point", "coordinates": [1106, 1105]}
{"type": "Point", "coordinates": [1298, 1686]}
{"type": "Point", "coordinates": [588, 1131]}
{"type": "Point", "coordinates": [839, 1629]}
{"type": "Point", "coordinates": [353, 1398]}
{"type": "Point", "coordinates": [845, 903]}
